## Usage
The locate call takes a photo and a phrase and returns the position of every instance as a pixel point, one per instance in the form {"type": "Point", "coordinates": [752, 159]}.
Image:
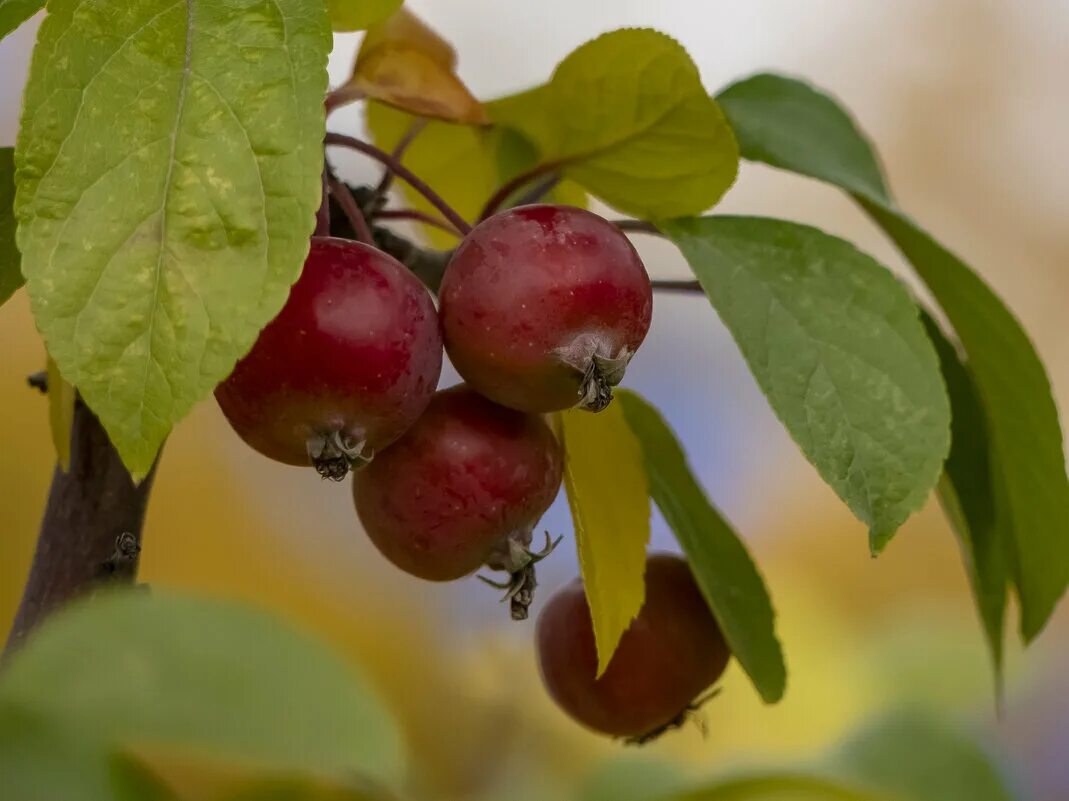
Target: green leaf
{"type": "Point", "coordinates": [61, 399]}
{"type": "Point", "coordinates": [778, 787]}
{"type": "Point", "coordinates": [626, 116]}
{"type": "Point", "coordinates": [967, 495]}
{"type": "Point", "coordinates": [10, 270]}
{"type": "Point", "coordinates": [15, 12]}
{"type": "Point", "coordinates": [912, 756]}
{"type": "Point", "coordinates": [464, 164]}
{"type": "Point", "coordinates": [787, 123]}
{"type": "Point", "coordinates": [358, 15]}
{"type": "Point", "coordinates": [130, 668]}
{"type": "Point", "coordinates": [724, 570]}
{"type": "Point", "coordinates": [607, 492]}
{"type": "Point", "coordinates": [168, 169]}
{"type": "Point", "coordinates": [835, 343]}
{"type": "Point", "coordinates": [1022, 419]}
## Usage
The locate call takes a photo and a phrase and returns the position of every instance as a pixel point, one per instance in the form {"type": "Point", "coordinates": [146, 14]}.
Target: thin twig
{"type": "Point", "coordinates": [351, 210]}
{"type": "Point", "coordinates": [539, 190]}
{"type": "Point", "coordinates": [509, 188]}
{"type": "Point", "coordinates": [398, 151]}
{"type": "Point", "coordinates": [677, 286]}
{"type": "Point", "coordinates": [417, 216]}
{"type": "Point", "coordinates": [404, 174]}
{"type": "Point", "coordinates": [637, 227]}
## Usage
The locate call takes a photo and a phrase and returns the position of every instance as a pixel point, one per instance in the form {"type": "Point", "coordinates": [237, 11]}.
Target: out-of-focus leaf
{"type": "Point", "coordinates": [61, 399]}
{"type": "Point", "coordinates": [15, 12]}
{"type": "Point", "coordinates": [10, 269]}
{"type": "Point", "coordinates": [131, 668]}
{"type": "Point", "coordinates": [626, 116]}
{"type": "Point", "coordinates": [967, 496]}
{"type": "Point", "coordinates": [168, 175]}
{"type": "Point", "coordinates": [913, 757]}
{"type": "Point", "coordinates": [464, 164]}
{"type": "Point", "coordinates": [404, 63]}
{"type": "Point", "coordinates": [631, 779]}
{"type": "Point", "coordinates": [724, 570]}
{"type": "Point", "coordinates": [835, 343]}
{"type": "Point", "coordinates": [790, 125]}
{"type": "Point", "coordinates": [358, 15]}
{"type": "Point", "coordinates": [132, 780]}
{"type": "Point", "coordinates": [609, 498]}
{"type": "Point", "coordinates": [778, 787]}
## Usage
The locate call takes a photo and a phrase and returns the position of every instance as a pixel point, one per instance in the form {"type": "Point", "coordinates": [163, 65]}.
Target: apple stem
{"type": "Point", "coordinates": [404, 174]}
{"type": "Point", "coordinates": [509, 188]}
{"type": "Point", "coordinates": [417, 216]}
{"type": "Point", "coordinates": [398, 151]}
{"type": "Point", "coordinates": [352, 210]}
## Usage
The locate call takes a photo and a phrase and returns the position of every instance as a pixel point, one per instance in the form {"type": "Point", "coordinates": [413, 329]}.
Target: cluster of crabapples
{"type": "Point", "coordinates": [540, 309]}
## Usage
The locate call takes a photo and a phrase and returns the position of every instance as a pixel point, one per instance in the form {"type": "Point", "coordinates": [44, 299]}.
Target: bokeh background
{"type": "Point", "coordinates": [966, 102]}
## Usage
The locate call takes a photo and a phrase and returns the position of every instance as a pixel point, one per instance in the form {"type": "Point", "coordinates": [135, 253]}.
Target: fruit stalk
{"type": "Point", "coordinates": [91, 530]}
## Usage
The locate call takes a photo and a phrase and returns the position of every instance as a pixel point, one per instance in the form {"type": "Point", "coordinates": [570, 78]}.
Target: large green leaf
{"type": "Point", "coordinates": [913, 757]}
{"type": "Point", "coordinates": [967, 496]}
{"type": "Point", "coordinates": [133, 668]}
{"type": "Point", "coordinates": [10, 271]}
{"type": "Point", "coordinates": [607, 493]}
{"type": "Point", "coordinates": [464, 164]}
{"type": "Point", "coordinates": [835, 343]}
{"type": "Point", "coordinates": [779, 787]}
{"type": "Point", "coordinates": [788, 125]}
{"type": "Point", "coordinates": [626, 116]}
{"type": "Point", "coordinates": [168, 169]}
{"type": "Point", "coordinates": [15, 12]}
{"type": "Point", "coordinates": [719, 560]}
{"type": "Point", "coordinates": [358, 15]}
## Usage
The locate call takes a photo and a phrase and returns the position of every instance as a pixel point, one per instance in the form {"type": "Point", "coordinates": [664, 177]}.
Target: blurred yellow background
{"type": "Point", "coordinates": [965, 100]}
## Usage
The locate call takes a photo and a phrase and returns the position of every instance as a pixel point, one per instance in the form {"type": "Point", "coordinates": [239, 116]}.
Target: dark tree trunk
{"type": "Point", "coordinates": [91, 531]}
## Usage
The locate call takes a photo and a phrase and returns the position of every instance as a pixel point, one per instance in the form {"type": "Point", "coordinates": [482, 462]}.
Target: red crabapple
{"type": "Point", "coordinates": [668, 656]}
{"type": "Point", "coordinates": [543, 306]}
{"type": "Point", "coordinates": [344, 369]}
{"type": "Point", "coordinates": [463, 487]}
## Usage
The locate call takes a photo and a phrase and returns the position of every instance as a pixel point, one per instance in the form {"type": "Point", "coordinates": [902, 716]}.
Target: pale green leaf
{"type": "Point", "coordinates": [10, 270]}
{"type": "Point", "coordinates": [168, 169]}
{"type": "Point", "coordinates": [835, 343]}
{"type": "Point", "coordinates": [61, 399]}
{"type": "Point", "coordinates": [464, 164]}
{"type": "Point", "coordinates": [626, 116]}
{"type": "Point", "coordinates": [914, 757]}
{"type": "Point", "coordinates": [15, 12]}
{"type": "Point", "coordinates": [609, 498]}
{"type": "Point", "coordinates": [788, 125]}
{"type": "Point", "coordinates": [131, 668]}
{"type": "Point", "coordinates": [358, 15]}
{"type": "Point", "coordinates": [778, 787]}
{"type": "Point", "coordinates": [968, 498]}
{"type": "Point", "coordinates": [724, 570]}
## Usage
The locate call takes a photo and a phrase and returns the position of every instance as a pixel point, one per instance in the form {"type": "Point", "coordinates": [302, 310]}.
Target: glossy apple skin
{"type": "Point", "coordinates": [357, 349]}
{"type": "Point", "coordinates": [530, 281]}
{"type": "Point", "coordinates": [671, 652]}
{"type": "Point", "coordinates": [464, 477]}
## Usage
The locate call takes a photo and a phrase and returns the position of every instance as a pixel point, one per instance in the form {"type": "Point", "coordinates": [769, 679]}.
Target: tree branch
{"type": "Point", "coordinates": [91, 531]}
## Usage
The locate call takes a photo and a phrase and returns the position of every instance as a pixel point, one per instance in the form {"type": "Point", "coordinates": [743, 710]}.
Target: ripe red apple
{"type": "Point", "coordinates": [543, 306]}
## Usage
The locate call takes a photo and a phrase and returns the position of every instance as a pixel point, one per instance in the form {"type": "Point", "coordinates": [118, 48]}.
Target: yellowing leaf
{"type": "Point", "coordinates": [358, 15]}
{"type": "Point", "coordinates": [406, 64]}
{"type": "Point", "coordinates": [626, 116]}
{"type": "Point", "coordinates": [609, 498]}
{"type": "Point", "coordinates": [61, 397]}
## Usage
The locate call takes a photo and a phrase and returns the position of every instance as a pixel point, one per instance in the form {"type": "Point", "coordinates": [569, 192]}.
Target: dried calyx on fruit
{"type": "Point", "coordinates": [670, 655]}
{"type": "Point", "coordinates": [463, 488]}
{"type": "Point", "coordinates": [543, 307]}
{"type": "Point", "coordinates": [344, 369]}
